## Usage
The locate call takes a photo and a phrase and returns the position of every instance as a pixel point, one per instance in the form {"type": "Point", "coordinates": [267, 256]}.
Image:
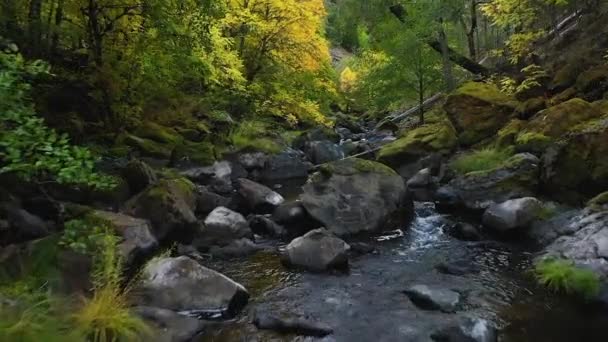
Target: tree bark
{"type": "Point", "coordinates": [58, 22]}
{"type": "Point", "coordinates": [448, 77]}
{"type": "Point", "coordinates": [35, 26]}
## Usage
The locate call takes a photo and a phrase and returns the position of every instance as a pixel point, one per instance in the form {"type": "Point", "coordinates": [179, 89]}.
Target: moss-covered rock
{"type": "Point", "coordinates": [553, 123]}
{"type": "Point", "coordinates": [577, 167]}
{"type": "Point", "coordinates": [598, 201]}
{"type": "Point", "coordinates": [531, 106]}
{"type": "Point", "coordinates": [507, 135]}
{"type": "Point", "coordinates": [566, 76]}
{"type": "Point", "coordinates": [563, 96]}
{"type": "Point", "coordinates": [159, 134]}
{"type": "Point", "coordinates": [419, 142]}
{"type": "Point", "coordinates": [170, 206]}
{"type": "Point", "coordinates": [517, 177]}
{"type": "Point", "coordinates": [593, 82]}
{"type": "Point", "coordinates": [146, 147]}
{"type": "Point", "coordinates": [202, 153]}
{"type": "Point", "coordinates": [352, 166]}
{"type": "Point", "coordinates": [478, 110]}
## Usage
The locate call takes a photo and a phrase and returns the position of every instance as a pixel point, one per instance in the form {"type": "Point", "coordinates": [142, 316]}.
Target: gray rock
{"type": "Point", "coordinates": [254, 160]}
{"type": "Point", "coordinates": [170, 326]}
{"type": "Point", "coordinates": [289, 164]}
{"type": "Point", "coordinates": [468, 330]}
{"type": "Point", "coordinates": [182, 284]}
{"type": "Point", "coordinates": [433, 298]}
{"type": "Point", "coordinates": [422, 185]}
{"type": "Point", "coordinates": [206, 201]}
{"type": "Point", "coordinates": [217, 177]}
{"type": "Point", "coordinates": [284, 325]}
{"type": "Point", "coordinates": [25, 226]}
{"type": "Point", "coordinates": [353, 196]}
{"type": "Point", "coordinates": [517, 178]}
{"type": "Point", "coordinates": [258, 198]}
{"type": "Point", "coordinates": [587, 246]}
{"type": "Point", "coordinates": [263, 225]}
{"type": "Point", "coordinates": [137, 238]}
{"type": "Point", "coordinates": [294, 218]}
{"type": "Point", "coordinates": [543, 232]}
{"type": "Point", "coordinates": [512, 214]}
{"type": "Point", "coordinates": [138, 175]}
{"type": "Point", "coordinates": [320, 152]}
{"type": "Point", "coordinates": [222, 226]}
{"type": "Point", "coordinates": [465, 231]}
{"type": "Point", "coordinates": [318, 250]}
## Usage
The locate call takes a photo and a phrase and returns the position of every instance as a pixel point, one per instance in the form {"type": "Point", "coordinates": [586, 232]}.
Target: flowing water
{"type": "Point", "coordinates": [368, 304]}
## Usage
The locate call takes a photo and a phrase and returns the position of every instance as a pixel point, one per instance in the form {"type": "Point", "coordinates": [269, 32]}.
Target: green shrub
{"type": "Point", "coordinates": [563, 276]}
{"type": "Point", "coordinates": [84, 235]}
{"type": "Point", "coordinates": [481, 160]}
{"type": "Point", "coordinates": [28, 147]}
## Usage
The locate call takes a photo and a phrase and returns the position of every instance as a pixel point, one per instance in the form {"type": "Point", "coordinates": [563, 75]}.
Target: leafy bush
{"type": "Point", "coordinates": [84, 235]}
{"type": "Point", "coordinates": [28, 147]}
{"type": "Point", "coordinates": [564, 276]}
{"type": "Point", "coordinates": [481, 160]}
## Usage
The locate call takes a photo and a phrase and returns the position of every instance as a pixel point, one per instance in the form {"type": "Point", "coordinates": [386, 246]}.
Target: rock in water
{"type": "Point", "coordinates": [171, 326]}
{"type": "Point", "coordinates": [512, 214]}
{"type": "Point", "coordinates": [182, 284]}
{"type": "Point", "coordinates": [469, 330]}
{"type": "Point", "coordinates": [258, 198]}
{"type": "Point", "coordinates": [223, 226]}
{"type": "Point", "coordinates": [286, 165]}
{"type": "Point", "coordinates": [354, 195]}
{"type": "Point", "coordinates": [433, 298]}
{"type": "Point", "coordinates": [298, 326]}
{"type": "Point", "coordinates": [320, 152]}
{"type": "Point", "coordinates": [318, 250]}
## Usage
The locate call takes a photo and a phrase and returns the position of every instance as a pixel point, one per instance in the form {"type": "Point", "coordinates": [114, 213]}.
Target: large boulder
{"type": "Point", "coordinates": [217, 177]}
{"type": "Point", "coordinates": [182, 284]}
{"type": "Point", "coordinates": [294, 218]}
{"type": "Point", "coordinates": [584, 240]}
{"type": "Point", "coordinates": [289, 164]}
{"type": "Point", "coordinates": [517, 177]}
{"type": "Point", "coordinates": [512, 214]}
{"type": "Point", "coordinates": [318, 250]}
{"type": "Point", "coordinates": [552, 123]}
{"type": "Point", "coordinates": [354, 195]}
{"type": "Point", "coordinates": [206, 201]}
{"type": "Point", "coordinates": [222, 226]}
{"type": "Point", "coordinates": [137, 240]}
{"type": "Point", "coordinates": [478, 110]}
{"type": "Point", "coordinates": [21, 225]}
{"type": "Point", "coordinates": [404, 153]}
{"type": "Point", "coordinates": [467, 330]}
{"type": "Point", "coordinates": [169, 205]}
{"type": "Point", "coordinates": [258, 198]}
{"type": "Point", "coordinates": [577, 167]}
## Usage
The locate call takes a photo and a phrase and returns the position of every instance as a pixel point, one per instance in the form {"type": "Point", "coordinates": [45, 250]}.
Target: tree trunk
{"type": "Point", "coordinates": [472, 31]}
{"type": "Point", "coordinates": [34, 26]}
{"type": "Point", "coordinates": [448, 77]}
{"type": "Point", "coordinates": [421, 100]}
{"type": "Point", "coordinates": [58, 22]}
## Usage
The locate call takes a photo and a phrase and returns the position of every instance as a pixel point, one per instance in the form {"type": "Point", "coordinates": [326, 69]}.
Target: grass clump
{"type": "Point", "coordinates": [563, 276]}
{"type": "Point", "coordinates": [481, 160]}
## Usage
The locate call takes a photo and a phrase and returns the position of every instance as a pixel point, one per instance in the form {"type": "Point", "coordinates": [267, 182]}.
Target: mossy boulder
{"type": "Point", "coordinates": [531, 106]}
{"type": "Point", "coordinates": [419, 142]}
{"type": "Point", "coordinates": [517, 177]}
{"type": "Point", "coordinates": [566, 76]}
{"type": "Point", "coordinates": [553, 123]}
{"type": "Point", "coordinates": [354, 196]}
{"type": "Point", "coordinates": [478, 110]}
{"type": "Point", "coordinates": [593, 82]}
{"type": "Point", "coordinates": [169, 205]}
{"type": "Point", "coordinates": [563, 96]}
{"type": "Point", "coordinates": [507, 135]}
{"type": "Point", "coordinates": [200, 153]}
{"type": "Point", "coordinates": [146, 147]}
{"type": "Point", "coordinates": [158, 133]}
{"type": "Point", "coordinates": [598, 201]}
{"type": "Point", "coordinates": [577, 167]}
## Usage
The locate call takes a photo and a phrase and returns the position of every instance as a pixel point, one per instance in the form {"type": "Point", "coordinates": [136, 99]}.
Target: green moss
{"type": "Point", "coordinates": [148, 147]}
{"type": "Point", "coordinates": [566, 76]}
{"type": "Point", "coordinates": [507, 135]}
{"type": "Point", "coordinates": [352, 166]}
{"type": "Point", "coordinates": [563, 276]}
{"type": "Point", "coordinates": [198, 152]}
{"type": "Point", "coordinates": [440, 138]}
{"type": "Point", "coordinates": [158, 133]}
{"type": "Point", "coordinates": [558, 120]}
{"type": "Point", "coordinates": [485, 92]}
{"type": "Point", "coordinates": [563, 96]}
{"type": "Point", "coordinates": [592, 78]}
{"type": "Point", "coordinates": [532, 106]}
{"type": "Point", "coordinates": [533, 142]}
{"type": "Point", "coordinates": [599, 200]}
{"type": "Point", "coordinates": [482, 160]}
{"type": "Point", "coordinates": [254, 135]}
